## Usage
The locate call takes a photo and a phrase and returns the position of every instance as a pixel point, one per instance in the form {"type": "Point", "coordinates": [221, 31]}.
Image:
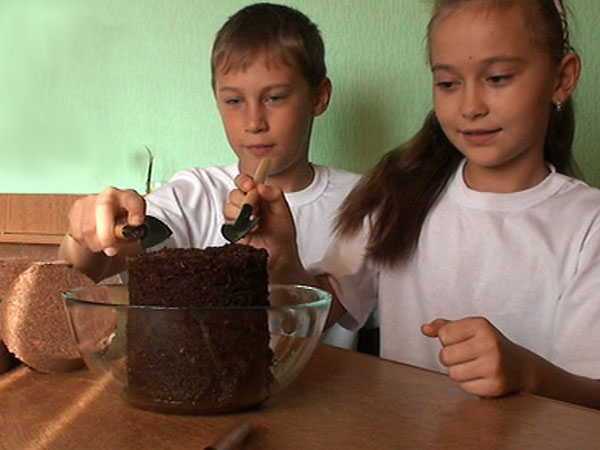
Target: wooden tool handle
{"type": "Point", "coordinates": [260, 174]}
{"type": "Point", "coordinates": [262, 171]}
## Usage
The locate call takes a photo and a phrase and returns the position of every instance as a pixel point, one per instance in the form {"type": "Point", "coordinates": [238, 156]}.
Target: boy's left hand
{"type": "Point", "coordinates": [478, 357]}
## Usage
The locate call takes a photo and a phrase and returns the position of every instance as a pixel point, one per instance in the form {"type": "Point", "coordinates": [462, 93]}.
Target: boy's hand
{"type": "Point", "coordinates": [478, 357]}
{"type": "Point", "coordinates": [275, 232]}
{"type": "Point", "coordinates": [92, 219]}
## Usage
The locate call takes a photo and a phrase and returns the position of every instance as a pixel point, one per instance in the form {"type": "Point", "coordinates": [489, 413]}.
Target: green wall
{"type": "Point", "coordinates": [85, 85]}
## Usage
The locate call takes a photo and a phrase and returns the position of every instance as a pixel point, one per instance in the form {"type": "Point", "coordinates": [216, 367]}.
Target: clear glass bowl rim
{"type": "Point", "coordinates": [324, 300]}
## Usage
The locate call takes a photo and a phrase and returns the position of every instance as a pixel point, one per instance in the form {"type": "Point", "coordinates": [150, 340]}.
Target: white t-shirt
{"type": "Point", "coordinates": [191, 204]}
{"type": "Point", "coordinates": [528, 261]}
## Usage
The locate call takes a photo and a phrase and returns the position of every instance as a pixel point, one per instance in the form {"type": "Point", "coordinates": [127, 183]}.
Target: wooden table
{"type": "Point", "coordinates": [343, 400]}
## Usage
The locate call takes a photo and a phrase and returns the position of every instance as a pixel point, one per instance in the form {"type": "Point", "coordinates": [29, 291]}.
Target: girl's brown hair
{"type": "Point", "coordinates": [280, 30]}
{"type": "Point", "coordinates": [397, 194]}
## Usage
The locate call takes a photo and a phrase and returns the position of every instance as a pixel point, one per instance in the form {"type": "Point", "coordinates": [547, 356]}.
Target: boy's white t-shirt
{"type": "Point", "coordinates": [191, 204]}
{"type": "Point", "coordinates": [528, 261]}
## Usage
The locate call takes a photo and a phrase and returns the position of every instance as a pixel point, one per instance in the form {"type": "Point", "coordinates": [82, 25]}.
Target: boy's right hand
{"type": "Point", "coordinates": [275, 232]}
{"type": "Point", "coordinates": [92, 219]}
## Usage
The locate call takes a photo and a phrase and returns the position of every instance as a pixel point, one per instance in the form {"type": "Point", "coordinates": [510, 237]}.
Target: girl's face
{"type": "Point", "coordinates": [492, 87]}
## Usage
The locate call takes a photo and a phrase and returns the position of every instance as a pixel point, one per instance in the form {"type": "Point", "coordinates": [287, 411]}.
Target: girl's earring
{"type": "Point", "coordinates": [558, 106]}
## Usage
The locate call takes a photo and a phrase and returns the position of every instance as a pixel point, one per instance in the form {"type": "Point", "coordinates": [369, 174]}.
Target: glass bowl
{"type": "Point", "coordinates": [195, 360]}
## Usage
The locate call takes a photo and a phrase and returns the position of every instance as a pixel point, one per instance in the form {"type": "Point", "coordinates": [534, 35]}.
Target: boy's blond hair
{"type": "Point", "coordinates": [282, 32]}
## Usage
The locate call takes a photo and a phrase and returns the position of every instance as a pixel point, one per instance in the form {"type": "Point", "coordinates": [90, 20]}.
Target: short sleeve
{"type": "Point", "coordinates": [165, 204]}
{"type": "Point", "coordinates": [352, 276]}
{"type": "Point", "coordinates": [576, 343]}
{"type": "Point", "coordinates": [185, 206]}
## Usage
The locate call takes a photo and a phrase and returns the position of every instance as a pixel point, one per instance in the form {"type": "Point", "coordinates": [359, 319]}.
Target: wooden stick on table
{"type": "Point", "coordinates": [234, 438]}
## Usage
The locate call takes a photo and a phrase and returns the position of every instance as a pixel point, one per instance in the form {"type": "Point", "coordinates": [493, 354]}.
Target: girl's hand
{"type": "Point", "coordinates": [275, 232]}
{"type": "Point", "coordinates": [479, 358]}
{"type": "Point", "coordinates": [92, 220]}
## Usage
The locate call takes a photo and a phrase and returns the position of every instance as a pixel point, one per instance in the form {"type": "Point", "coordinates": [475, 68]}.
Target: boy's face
{"type": "Point", "coordinates": [267, 110]}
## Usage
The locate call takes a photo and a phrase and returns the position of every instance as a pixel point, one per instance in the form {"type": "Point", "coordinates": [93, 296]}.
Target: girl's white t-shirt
{"type": "Point", "coordinates": [527, 261]}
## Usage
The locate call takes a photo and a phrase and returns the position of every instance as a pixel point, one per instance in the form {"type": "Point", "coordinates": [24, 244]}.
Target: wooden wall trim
{"type": "Point", "coordinates": [42, 239]}
{"type": "Point", "coordinates": [34, 218]}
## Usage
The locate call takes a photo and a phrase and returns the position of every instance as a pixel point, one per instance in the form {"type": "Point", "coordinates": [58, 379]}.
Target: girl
{"type": "Point", "coordinates": [476, 227]}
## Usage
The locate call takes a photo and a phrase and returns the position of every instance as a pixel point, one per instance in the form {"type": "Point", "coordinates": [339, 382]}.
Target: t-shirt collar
{"type": "Point", "coordinates": [471, 198]}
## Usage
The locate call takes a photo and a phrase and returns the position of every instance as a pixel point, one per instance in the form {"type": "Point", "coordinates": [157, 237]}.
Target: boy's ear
{"type": "Point", "coordinates": [568, 76]}
{"type": "Point", "coordinates": [322, 97]}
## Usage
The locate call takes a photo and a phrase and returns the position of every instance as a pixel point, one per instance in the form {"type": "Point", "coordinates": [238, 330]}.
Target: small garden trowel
{"type": "Point", "coordinates": [152, 232]}
{"type": "Point", "coordinates": [244, 223]}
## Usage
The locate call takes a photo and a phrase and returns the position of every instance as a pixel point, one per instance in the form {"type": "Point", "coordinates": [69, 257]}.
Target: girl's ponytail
{"type": "Point", "coordinates": [559, 140]}
{"type": "Point", "coordinates": [398, 192]}
{"type": "Point", "coordinates": [554, 33]}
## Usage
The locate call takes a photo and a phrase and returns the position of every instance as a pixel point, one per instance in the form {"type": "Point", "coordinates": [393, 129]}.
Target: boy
{"type": "Point", "coordinates": [269, 80]}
